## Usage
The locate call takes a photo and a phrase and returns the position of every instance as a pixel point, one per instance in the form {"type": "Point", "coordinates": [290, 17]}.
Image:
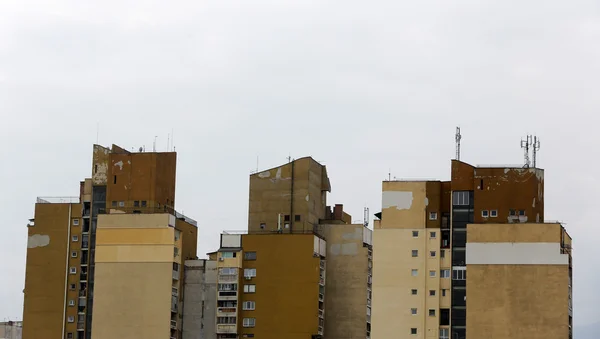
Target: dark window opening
{"type": "Point", "coordinates": [114, 203]}
{"type": "Point", "coordinates": [481, 184]}
{"type": "Point", "coordinates": [136, 203]}
{"type": "Point", "coordinates": [297, 217]}
{"type": "Point", "coordinates": [521, 212]}
{"type": "Point", "coordinates": [444, 317]}
{"type": "Point", "coordinates": [413, 331]}
{"type": "Point", "coordinates": [512, 212]}
{"type": "Point", "coordinates": [286, 218]}
{"type": "Point", "coordinates": [95, 168]}
{"type": "Point", "coordinates": [262, 226]}
{"type": "Point", "coordinates": [144, 203]}
{"type": "Point", "coordinates": [114, 179]}
{"type": "Point", "coordinates": [250, 256]}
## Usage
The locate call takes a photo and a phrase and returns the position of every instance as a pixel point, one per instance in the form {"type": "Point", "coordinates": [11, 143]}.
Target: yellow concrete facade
{"type": "Point", "coordinates": [135, 257]}
{"type": "Point", "coordinates": [523, 294]}
{"type": "Point", "coordinates": [406, 266]}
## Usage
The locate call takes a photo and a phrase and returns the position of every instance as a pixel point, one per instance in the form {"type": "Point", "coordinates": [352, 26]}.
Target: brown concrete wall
{"type": "Point", "coordinates": [433, 192]}
{"type": "Point", "coordinates": [404, 204]}
{"type": "Point", "coordinates": [517, 301]}
{"type": "Point", "coordinates": [271, 194]}
{"type": "Point", "coordinates": [346, 287]}
{"type": "Point", "coordinates": [503, 189]}
{"type": "Point", "coordinates": [287, 286]}
{"type": "Point", "coordinates": [48, 249]}
{"type": "Point", "coordinates": [481, 233]}
{"type": "Point", "coordinates": [141, 176]}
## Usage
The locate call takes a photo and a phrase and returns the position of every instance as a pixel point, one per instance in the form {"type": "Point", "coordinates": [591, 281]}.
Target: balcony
{"type": "Point", "coordinates": [226, 311]}
{"type": "Point", "coordinates": [80, 326]}
{"type": "Point", "coordinates": [321, 297]}
{"type": "Point", "coordinates": [321, 313]}
{"type": "Point", "coordinates": [226, 328]}
{"type": "Point", "coordinates": [85, 244]}
{"type": "Point", "coordinates": [175, 275]}
{"type": "Point", "coordinates": [83, 277]}
{"type": "Point", "coordinates": [322, 264]}
{"type": "Point", "coordinates": [228, 278]}
{"type": "Point", "coordinates": [174, 324]}
{"type": "Point", "coordinates": [57, 200]}
{"type": "Point", "coordinates": [227, 295]}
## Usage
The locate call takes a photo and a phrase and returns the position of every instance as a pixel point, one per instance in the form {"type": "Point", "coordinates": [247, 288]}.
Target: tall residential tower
{"type": "Point", "coordinates": [487, 222]}
{"type": "Point", "coordinates": [92, 260]}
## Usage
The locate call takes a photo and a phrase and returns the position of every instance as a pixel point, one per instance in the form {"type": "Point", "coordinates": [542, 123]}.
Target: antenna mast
{"type": "Point", "coordinates": [366, 219]}
{"type": "Point", "coordinates": [536, 147]}
{"type": "Point", "coordinates": [457, 138]}
{"type": "Point", "coordinates": [154, 144]}
{"type": "Point", "coordinates": [525, 144]}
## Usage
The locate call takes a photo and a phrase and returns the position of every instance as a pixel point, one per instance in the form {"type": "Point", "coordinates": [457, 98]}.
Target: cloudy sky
{"type": "Point", "coordinates": [364, 87]}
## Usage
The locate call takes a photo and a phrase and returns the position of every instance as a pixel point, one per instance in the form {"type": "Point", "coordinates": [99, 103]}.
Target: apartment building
{"type": "Point", "coordinates": [92, 259]}
{"type": "Point", "coordinates": [422, 256]}
{"type": "Point", "coordinates": [200, 299]}
{"type": "Point", "coordinates": [271, 286]}
{"type": "Point", "coordinates": [11, 330]}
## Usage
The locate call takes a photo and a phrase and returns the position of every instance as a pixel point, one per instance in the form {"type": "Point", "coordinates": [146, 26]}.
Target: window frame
{"type": "Point", "coordinates": [249, 308]}
{"type": "Point", "coordinates": [485, 213]}
{"type": "Point", "coordinates": [493, 213]}
{"type": "Point", "coordinates": [414, 253]}
{"type": "Point", "coordinates": [433, 215]}
{"type": "Point", "coordinates": [248, 322]}
{"type": "Point", "coordinates": [250, 288]}
{"type": "Point", "coordinates": [414, 272]}
{"type": "Point", "coordinates": [250, 256]}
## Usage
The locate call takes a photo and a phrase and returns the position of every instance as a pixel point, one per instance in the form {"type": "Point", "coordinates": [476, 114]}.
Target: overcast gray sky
{"type": "Point", "coordinates": [363, 87]}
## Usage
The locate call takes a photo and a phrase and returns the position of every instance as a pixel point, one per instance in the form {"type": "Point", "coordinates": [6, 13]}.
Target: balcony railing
{"type": "Point", "coordinates": [321, 297]}
{"type": "Point", "coordinates": [226, 328]}
{"type": "Point", "coordinates": [228, 278]}
{"type": "Point", "coordinates": [226, 311]}
{"type": "Point", "coordinates": [321, 313]}
{"type": "Point", "coordinates": [174, 324]}
{"type": "Point", "coordinates": [175, 275]}
{"type": "Point", "coordinates": [80, 326]}
{"type": "Point", "coordinates": [153, 210]}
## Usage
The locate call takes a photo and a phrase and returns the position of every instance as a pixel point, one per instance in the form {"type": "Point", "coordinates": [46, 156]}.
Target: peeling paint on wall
{"type": "Point", "coordinates": [533, 205]}
{"type": "Point", "coordinates": [120, 164]}
{"type": "Point", "coordinates": [307, 197]}
{"type": "Point", "coordinates": [38, 240]}
{"type": "Point", "coordinates": [264, 174]}
{"type": "Point", "coordinates": [426, 201]}
{"type": "Point", "coordinates": [400, 199]}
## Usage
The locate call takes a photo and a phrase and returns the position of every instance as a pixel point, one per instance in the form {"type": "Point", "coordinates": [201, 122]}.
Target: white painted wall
{"type": "Point", "coordinates": [506, 253]}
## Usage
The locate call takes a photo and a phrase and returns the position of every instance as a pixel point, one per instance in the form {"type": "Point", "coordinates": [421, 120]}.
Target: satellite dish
{"type": "Point", "coordinates": [141, 149]}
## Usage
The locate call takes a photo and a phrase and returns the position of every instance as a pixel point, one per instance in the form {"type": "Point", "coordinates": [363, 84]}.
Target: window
{"type": "Point", "coordinates": [415, 253]}
{"type": "Point", "coordinates": [228, 271]}
{"type": "Point", "coordinates": [415, 234]}
{"type": "Point", "coordinates": [459, 273]}
{"type": "Point", "coordinates": [442, 253]}
{"type": "Point", "coordinates": [432, 254]}
{"type": "Point", "coordinates": [73, 254]}
{"type": "Point", "coordinates": [262, 225]}
{"type": "Point", "coordinates": [414, 272]}
{"type": "Point", "coordinates": [413, 311]}
{"type": "Point", "coordinates": [445, 273]}
{"type": "Point", "coordinates": [177, 235]}
{"type": "Point", "coordinates": [413, 331]}
{"type": "Point", "coordinates": [72, 287]}
{"type": "Point", "coordinates": [297, 217]}
{"type": "Point", "coordinates": [250, 256]}
{"type": "Point", "coordinates": [512, 212]}
{"type": "Point", "coordinates": [249, 288]}
{"type": "Point", "coordinates": [286, 218]}
{"type": "Point", "coordinates": [70, 335]}
{"type": "Point", "coordinates": [250, 272]}
{"type": "Point", "coordinates": [113, 203]}
{"type": "Point", "coordinates": [73, 270]}
{"type": "Point", "coordinates": [75, 238]}
{"type": "Point", "coordinates": [114, 179]}
{"type": "Point", "coordinates": [136, 203]}
{"type": "Point", "coordinates": [432, 293]}
{"type": "Point", "coordinates": [121, 203]}
{"type": "Point", "coordinates": [521, 212]}
{"type": "Point", "coordinates": [432, 235]}
{"type": "Point", "coordinates": [71, 302]}
{"type": "Point", "coordinates": [249, 305]}
{"type": "Point", "coordinates": [71, 319]}
{"type": "Point", "coordinates": [432, 274]}
{"type": "Point", "coordinates": [460, 198]}
{"type": "Point", "coordinates": [249, 322]}
{"type": "Point", "coordinates": [485, 213]}
{"type": "Point", "coordinates": [444, 291]}
{"type": "Point", "coordinates": [432, 215]}
{"type": "Point", "coordinates": [144, 203]}
{"type": "Point", "coordinates": [413, 291]}
{"type": "Point", "coordinates": [493, 213]}
{"type": "Point", "coordinates": [432, 313]}
{"type": "Point", "coordinates": [175, 251]}
{"type": "Point", "coordinates": [227, 255]}
{"type": "Point", "coordinates": [444, 333]}
{"type": "Point", "coordinates": [75, 222]}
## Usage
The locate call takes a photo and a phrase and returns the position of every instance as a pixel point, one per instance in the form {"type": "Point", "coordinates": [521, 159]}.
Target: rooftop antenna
{"type": "Point", "coordinates": [525, 144]}
{"type": "Point", "coordinates": [536, 147]}
{"type": "Point", "coordinates": [389, 174]}
{"type": "Point", "coordinates": [154, 144]}
{"type": "Point", "coordinates": [457, 138]}
{"type": "Point", "coordinates": [289, 158]}
{"type": "Point", "coordinates": [366, 219]}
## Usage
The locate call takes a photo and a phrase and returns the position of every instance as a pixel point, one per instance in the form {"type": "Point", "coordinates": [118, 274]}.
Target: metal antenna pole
{"type": "Point", "coordinates": [536, 147]}
{"type": "Point", "coordinates": [457, 138]}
